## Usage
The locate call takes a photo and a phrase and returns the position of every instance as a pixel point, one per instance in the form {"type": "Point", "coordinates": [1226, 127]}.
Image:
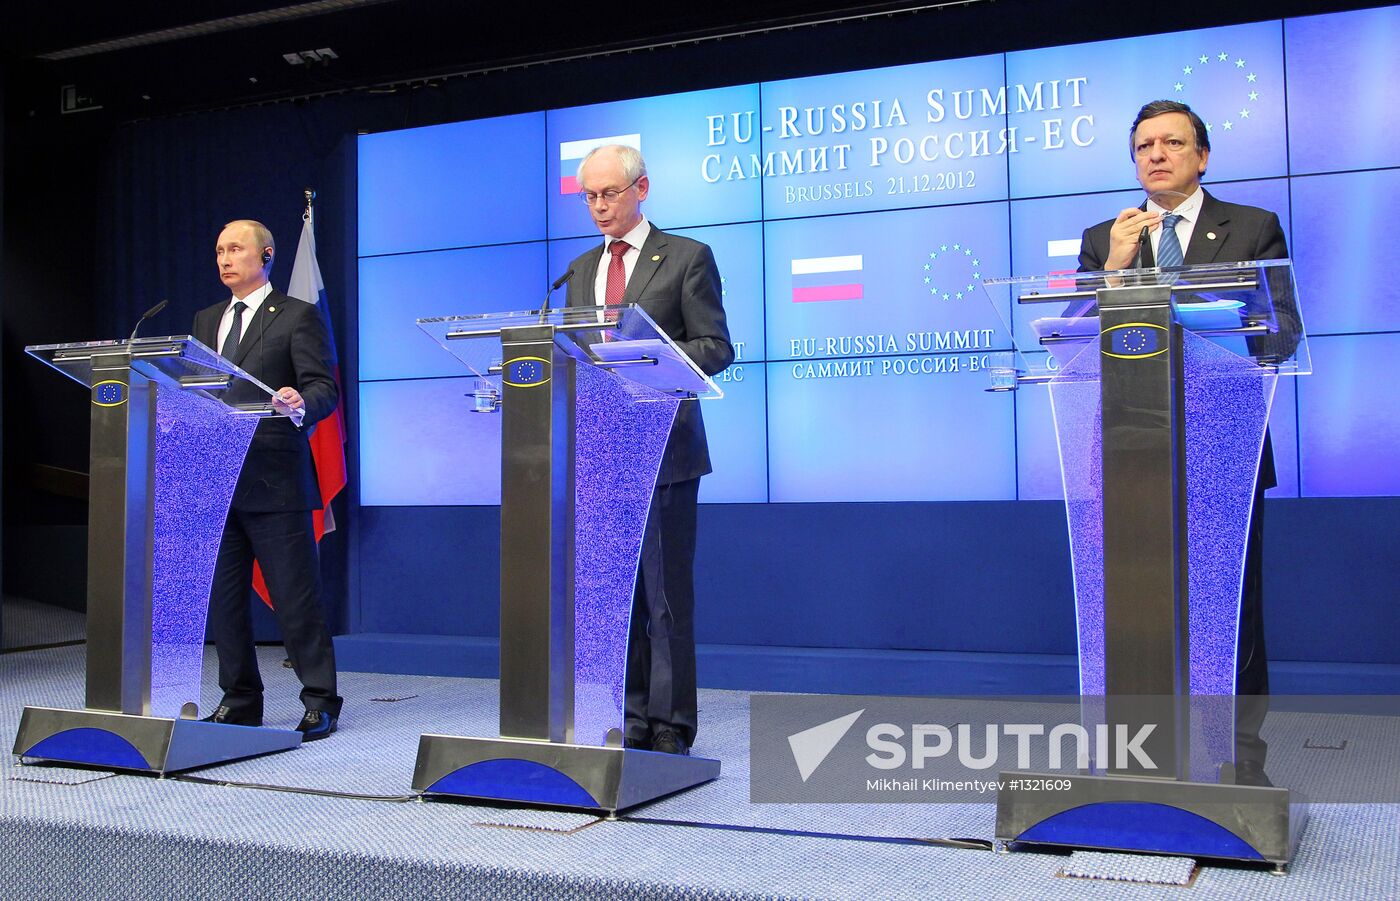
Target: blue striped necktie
{"type": "Point", "coordinates": [1169, 248]}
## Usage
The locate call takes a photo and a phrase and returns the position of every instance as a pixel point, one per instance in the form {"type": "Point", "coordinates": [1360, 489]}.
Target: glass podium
{"type": "Point", "coordinates": [587, 397]}
{"type": "Point", "coordinates": [1161, 382]}
{"type": "Point", "coordinates": [165, 455]}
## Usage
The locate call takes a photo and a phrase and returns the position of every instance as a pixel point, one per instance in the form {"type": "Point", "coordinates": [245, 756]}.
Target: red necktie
{"type": "Point", "coordinates": [617, 274]}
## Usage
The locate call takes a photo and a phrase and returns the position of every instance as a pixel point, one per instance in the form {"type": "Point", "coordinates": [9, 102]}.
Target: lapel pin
{"type": "Point", "coordinates": [1210, 236]}
{"type": "Point", "coordinates": [656, 257]}
{"type": "Point", "coordinates": [274, 309]}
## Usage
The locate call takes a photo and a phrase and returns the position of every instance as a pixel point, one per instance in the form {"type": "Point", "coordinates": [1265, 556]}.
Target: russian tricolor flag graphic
{"type": "Point", "coordinates": [1064, 247]}
{"type": "Point", "coordinates": [572, 152]}
{"type": "Point", "coordinates": [827, 278]}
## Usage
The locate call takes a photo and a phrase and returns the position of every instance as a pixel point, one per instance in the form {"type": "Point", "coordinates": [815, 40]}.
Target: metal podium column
{"type": "Point", "coordinates": [537, 536]}
{"type": "Point", "coordinates": [121, 521]}
{"type": "Point", "coordinates": [1144, 516]}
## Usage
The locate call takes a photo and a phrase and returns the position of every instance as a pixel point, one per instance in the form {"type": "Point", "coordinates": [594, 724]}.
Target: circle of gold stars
{"type": "Point", "coordinates": [958, 293]}
{"type": "Point", "coordinates": [1134, 340]}
{"type": "Point", "coordinates": [1251, 79]}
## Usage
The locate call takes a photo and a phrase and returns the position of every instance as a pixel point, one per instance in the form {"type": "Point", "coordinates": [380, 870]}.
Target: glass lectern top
{"type": "Point", "coordinates": [623, 339]}
{"type": "Point", "coordinates": [1251, 308]}
{"type": "Point", "coordinates": [175, 360]}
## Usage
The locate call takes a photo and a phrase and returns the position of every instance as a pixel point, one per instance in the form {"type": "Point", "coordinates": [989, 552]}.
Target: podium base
{"type": "Point", "coordinates": [552, 774]}
{"type": "Point", "coordinates": [1155, 816]}
{"type": "Point", "coordinates": [150, 744]}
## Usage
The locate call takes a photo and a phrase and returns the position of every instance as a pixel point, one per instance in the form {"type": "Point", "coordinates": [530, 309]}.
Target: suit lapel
{"type": "Point", "coordinates": [589, 274]}
{"type": "Point", "coordinates": [263, 320]}
{"type": "Point", "coordinates": [649, 260]}
{"type": "Point", "coordinates": [1212, 228]}
{"type": "Point", "coordinates": [206, 327]}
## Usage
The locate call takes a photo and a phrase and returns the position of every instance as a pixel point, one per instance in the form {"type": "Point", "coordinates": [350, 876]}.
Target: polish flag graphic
{"type": "Point", "coordinates": [827, 278]}
{"type": "Point", "coordinates": [572, 152]}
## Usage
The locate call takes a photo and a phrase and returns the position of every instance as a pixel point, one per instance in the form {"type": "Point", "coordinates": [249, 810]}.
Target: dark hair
{"type": "Point", "coordinates": [1162, 107]}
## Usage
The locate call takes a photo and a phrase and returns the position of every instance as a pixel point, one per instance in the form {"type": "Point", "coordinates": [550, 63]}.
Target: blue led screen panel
{"type": "Point", "coordinates": [430, 188]}
{"type": "Point", "coordinates": [888, 429]}
{"type": "Point", "coordinates": [1232, 76]}
{"type": "Point", "coordinates": [1348, 264]}
{"type": "Point", "coordinates": [421, 445]}
{"type": "Point", "coordinates": [1342, 72]}
{"type": "Point", "coordinates": [1349, 418]}
{"type": "Point", "coordinates": [737, 430]}
{"type": "Point", "coordinates": [1283, 432]}
{"type": "Point", "coordinates": [1045, 235]}
{"type": "Point", "coordinates": [675, 134]}
{"type": "Point", "coordinates": [908, 136]}
{"type": "Point", "coordinates": [1037, 452]}
{"type": "Point", "coordinates": [397, 290]}
{"type": "Point", "coordinates": [881, 283]}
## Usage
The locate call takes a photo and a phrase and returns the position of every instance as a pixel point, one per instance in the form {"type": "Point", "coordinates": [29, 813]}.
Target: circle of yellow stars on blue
{"type": "Point", "coordinates": [1134, 340]}
{"type": "Point", "coordinates": [952, 251]}
{"type": "Point", "coordinates": [1251, 80]}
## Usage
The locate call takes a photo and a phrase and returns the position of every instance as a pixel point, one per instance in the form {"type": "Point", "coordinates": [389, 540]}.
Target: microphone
{"type": "Point", "coordinates": [558, 283]}
{"type": "Point", "coordinates": [144, 316]}
{"type": "Point", "coordinates": [1144, 241]}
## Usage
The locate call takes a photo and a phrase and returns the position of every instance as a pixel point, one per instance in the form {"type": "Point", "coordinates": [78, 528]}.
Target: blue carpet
{"type": "Point", "coordinates": [73, 836]}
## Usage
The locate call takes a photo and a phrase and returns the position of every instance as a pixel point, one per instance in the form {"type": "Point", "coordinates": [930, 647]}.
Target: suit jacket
{"type": "Point", "coordinates": [1240, 234]}
{"type": "Point", "coordinates": [677, 283]}
{"type": "Point", "coordinates": [286, 344]}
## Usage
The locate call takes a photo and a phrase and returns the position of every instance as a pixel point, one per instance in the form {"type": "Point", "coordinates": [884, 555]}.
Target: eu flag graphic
{"type": "Point", "coordinates": [1134, 340]}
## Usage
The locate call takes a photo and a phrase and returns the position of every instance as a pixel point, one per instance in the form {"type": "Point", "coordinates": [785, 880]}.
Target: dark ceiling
{"type": "Point", "coordinates": [206, 54]}
{"type": "Point", "coordinates": [225, 53]}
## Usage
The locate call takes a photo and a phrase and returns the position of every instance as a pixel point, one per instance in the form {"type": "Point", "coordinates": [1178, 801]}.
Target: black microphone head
{"type": "Point", "coordinates": [156, 309]}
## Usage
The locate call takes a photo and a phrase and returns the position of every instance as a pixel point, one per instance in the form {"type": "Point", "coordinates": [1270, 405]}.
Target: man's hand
{"type": "Point", "coordinates": [288, 399]}
{"type": "Point", "coordinates": [1123, 237]}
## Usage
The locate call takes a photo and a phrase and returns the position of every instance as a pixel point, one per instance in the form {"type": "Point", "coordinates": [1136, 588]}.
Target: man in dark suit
{"type": "Point", "coordinates": [279, 341]}
{"type": "Point", "coordinates": [675, 280]}
{"type": "Point", "coordinates": [1170, 146]}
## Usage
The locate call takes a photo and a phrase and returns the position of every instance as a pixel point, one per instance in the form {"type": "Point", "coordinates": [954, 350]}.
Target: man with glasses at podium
{"type": "Point", "coordinates": [279, 341]}
{"type": "Point", "coordinates": [1170, 146]}
{"type": "Point", "coordinates": [675, 280]}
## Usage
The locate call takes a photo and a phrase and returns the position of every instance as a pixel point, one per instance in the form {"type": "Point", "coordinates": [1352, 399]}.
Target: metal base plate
{"type": "Point", "coordinates": [1158, 816]}
{"type": "Point", "coordinates": [150, 744]}
{"type": "Point", "coordinates": [552, 773]}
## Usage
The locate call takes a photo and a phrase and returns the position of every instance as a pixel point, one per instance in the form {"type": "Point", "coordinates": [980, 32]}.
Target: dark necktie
{"type": "Point", "coordinates": [235, 333]}
{"type": "Point", "coordinates": [1169, 247]}
{"type": "Point", "coordinates": [617, 274]}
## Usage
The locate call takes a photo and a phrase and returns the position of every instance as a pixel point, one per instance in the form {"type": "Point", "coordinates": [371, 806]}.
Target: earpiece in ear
{"type": "Point", "coordinates": [267, 258]}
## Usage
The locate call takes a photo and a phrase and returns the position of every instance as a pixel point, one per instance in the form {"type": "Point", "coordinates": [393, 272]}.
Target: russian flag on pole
{"type": "Point", "coordinates": [828, 278]}
{"type": "Point", "coordinates": [571, 153]}
{"type": "Point", "coordinates": [328, 435]}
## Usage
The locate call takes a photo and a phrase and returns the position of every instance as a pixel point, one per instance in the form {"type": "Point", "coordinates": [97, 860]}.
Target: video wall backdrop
{"type": "Point", "coordinates": [854, 217]}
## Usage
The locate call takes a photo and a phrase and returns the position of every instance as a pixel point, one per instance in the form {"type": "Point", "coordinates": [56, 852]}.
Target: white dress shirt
{"type": "Point", "coordinates": [1189, 210]}
{"type": "Point", "coordinates": [636, 237]}
{"type": "Point", "coordinates": [253, 300]}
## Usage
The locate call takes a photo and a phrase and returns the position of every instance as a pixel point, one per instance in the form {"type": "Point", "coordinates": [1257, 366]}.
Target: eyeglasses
{"type": "Point", "coordinates": [610, 195]}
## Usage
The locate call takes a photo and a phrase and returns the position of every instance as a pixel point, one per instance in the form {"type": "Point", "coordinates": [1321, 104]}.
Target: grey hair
{"type": "Point", "coordinates": [633, 166]}
{"type": "Point", "coordinates": [261, 233]}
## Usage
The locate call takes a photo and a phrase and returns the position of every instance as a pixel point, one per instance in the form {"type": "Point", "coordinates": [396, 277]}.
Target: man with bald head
{"type": "Point", "coordinates": [675, 280]}
{"type": "Point", "coordinates": [282, 342]}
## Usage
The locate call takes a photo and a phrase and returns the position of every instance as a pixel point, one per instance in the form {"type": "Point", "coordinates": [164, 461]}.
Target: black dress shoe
{"type": "Point", "coordinates": [668, 742]}
{"type": "Point", "coordinates": [637, 744]}
{"type": "Point", "coordinates": [231, 717]}
{"type": "Point", "coordinates": [1249, 772]}
{"type": "Point", "coordinates": [315, 725]}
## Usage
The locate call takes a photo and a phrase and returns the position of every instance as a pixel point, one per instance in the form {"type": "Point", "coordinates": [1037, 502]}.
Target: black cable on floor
{"type": "Point", "coordinates": [292, 789]}
{"type": "Point", "coordinates": [969, 844]}
{"type": "Point", "coordinates": [45, 647]}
